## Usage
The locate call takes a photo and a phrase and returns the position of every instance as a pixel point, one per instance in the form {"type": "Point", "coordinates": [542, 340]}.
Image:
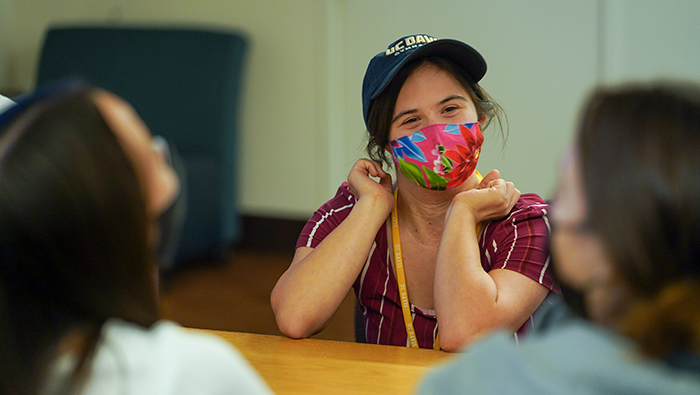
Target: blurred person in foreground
{"type": "Point", "coordinates": [87, 207]}
{"type": "Point", "coordinates": [626, 250]}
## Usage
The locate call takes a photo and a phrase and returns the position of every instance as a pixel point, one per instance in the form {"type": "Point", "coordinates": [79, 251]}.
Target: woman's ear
{"type": "Point", "coordinates": [482, 119]}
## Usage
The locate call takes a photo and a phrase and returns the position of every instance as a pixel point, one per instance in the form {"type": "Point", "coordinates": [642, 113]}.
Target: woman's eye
{"type": "Point", "coordinates": [410, 120]}
{"type": "Point", "coordinates": [450, 109]}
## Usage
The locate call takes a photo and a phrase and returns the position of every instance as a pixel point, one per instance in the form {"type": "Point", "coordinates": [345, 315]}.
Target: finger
{"type": "Point", "coordinates": [362, 166]}
{"type": "Point", "coordinates": [510, 187]}
{"type": "Point", "coordinates": [488, 178]}
{"type": "Point", "coordinates": [377, 170]}
{"type": "Point", "coordinates": [372, 170]}
{"type": "Point", "coordinates": [369, 167]}
{"type": "Point", "coordinates": [498, 184]}
{"type": "Point", "coordinates": [386, 182]}
{"type": "Point", "coordinates": [380, 170]}
{"type": "Point", "coordinates": [513, 194]}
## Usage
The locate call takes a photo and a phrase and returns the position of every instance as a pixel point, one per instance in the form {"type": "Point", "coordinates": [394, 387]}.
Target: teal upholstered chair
{"type": "Point", "coordinates": [186, 84]}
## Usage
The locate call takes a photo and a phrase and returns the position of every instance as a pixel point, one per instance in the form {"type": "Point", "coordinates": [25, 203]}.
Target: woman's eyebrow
{"type": "Point", "coordinates": [453, 97]}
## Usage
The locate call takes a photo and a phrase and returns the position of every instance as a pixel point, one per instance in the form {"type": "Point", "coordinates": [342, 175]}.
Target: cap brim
{"type": "Point", "coordinates": [462, 55]}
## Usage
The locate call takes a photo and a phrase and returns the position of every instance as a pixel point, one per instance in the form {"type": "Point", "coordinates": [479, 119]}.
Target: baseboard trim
{"type": "Point", "coordinates": [269, 234]}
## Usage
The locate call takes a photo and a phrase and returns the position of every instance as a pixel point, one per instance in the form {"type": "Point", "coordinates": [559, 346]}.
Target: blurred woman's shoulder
{"type": "Point", "coordinates": [168, 359]}
{"type": "Point", "coordinates": [576, 355]}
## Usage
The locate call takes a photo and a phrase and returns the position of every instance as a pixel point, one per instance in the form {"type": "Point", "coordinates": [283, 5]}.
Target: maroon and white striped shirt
{"type": "Point", "coordinates": [516, 242]}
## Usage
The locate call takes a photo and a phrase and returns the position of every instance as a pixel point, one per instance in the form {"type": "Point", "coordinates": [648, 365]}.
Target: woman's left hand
{"type": "Point", "coordinates": [493, 198]}
{"type": "Point", "coordinates": [468, 300]}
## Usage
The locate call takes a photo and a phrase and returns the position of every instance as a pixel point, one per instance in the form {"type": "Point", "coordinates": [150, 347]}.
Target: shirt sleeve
{"type": "Point", "coordinates": [327, 217]}
{"type": "Point", "coordinates": [520, 242]}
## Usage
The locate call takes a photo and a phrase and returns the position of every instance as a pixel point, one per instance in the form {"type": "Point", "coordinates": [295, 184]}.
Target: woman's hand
{"type": "Point", "coordinates": [363, 187]}
{"type": "Point", "coordinates": [468, 300]}
{"type": "Point", "coordinates": [493, 198]}
{"type": "Point", "coordinates": [308, 294]}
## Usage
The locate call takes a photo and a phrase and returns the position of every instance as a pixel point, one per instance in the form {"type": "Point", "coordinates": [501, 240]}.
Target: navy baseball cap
{"type": "Point", "coordinates": [384, 66]}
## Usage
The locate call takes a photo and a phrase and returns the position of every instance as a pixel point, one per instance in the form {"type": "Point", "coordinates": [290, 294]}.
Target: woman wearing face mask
{"type": "Point", "coordinates": [443, 255]}
{"type": "Point", "coordinates": [626, 243]}
{"type": "Point", "coordinates": [83, 190]}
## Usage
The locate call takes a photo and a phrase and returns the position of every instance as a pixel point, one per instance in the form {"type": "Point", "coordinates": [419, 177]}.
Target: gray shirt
{"type": "Point", "coordinates": [575, 357]}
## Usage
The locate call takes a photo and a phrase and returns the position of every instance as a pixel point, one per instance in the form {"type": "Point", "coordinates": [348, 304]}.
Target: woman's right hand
{"type": "Point", "coordinates": [363, 187]}
{"type": "Point", "coordinates": [308, 294]}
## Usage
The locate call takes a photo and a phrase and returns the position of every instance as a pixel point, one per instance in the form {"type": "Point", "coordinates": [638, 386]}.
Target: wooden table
{"type": "Point", "coordinates": [312, 366]}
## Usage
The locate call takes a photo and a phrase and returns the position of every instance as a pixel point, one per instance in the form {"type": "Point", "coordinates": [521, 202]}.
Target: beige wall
{"type": "Point", "coordinates": [5, 14]}
{"type": "Point", "coordinates": [286, 110]}
{"type": "Point", "coordinates": [302, 113]}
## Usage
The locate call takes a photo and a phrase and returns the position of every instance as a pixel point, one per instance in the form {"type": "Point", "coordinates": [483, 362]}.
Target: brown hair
{"type": "Point", "coordinates": [381, 108]}
{"type": "Point", "coordinates": [640, 159]}
{"type": "Point", "coordinates": [74, 247]}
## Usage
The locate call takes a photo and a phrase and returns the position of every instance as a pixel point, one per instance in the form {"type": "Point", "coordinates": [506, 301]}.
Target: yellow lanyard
{"type": "Point", "coordinates": [401, 276]}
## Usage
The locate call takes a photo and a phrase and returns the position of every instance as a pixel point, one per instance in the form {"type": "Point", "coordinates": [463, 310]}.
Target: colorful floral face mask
{"type": "Point", "coordinates": [439, 157]}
